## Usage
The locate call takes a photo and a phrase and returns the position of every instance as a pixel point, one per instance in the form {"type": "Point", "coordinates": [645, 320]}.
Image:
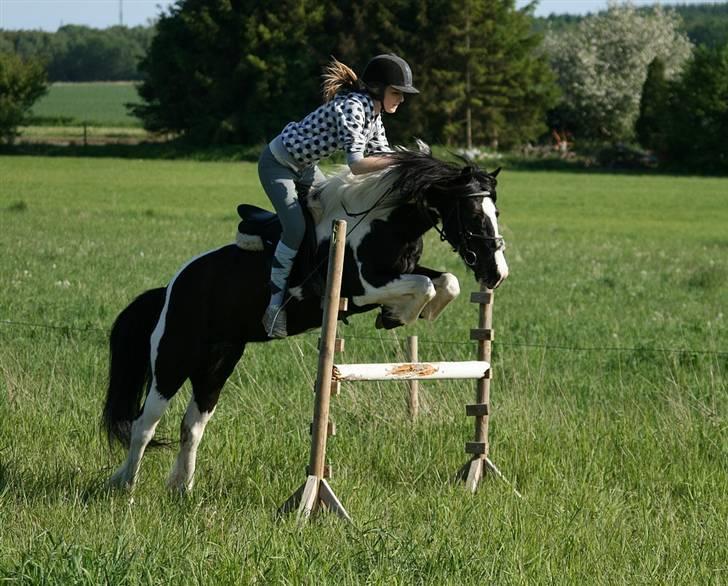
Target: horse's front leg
{"type": "Point", "coordinates": [447, 288]}
{"type": "Point", "coordinates": [403, 297]}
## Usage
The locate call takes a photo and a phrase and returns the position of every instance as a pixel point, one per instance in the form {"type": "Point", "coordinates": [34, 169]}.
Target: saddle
{"type": "Point", "coordinates": [259, 222]}
{"type": "Point", "coordinates": [261, 230]}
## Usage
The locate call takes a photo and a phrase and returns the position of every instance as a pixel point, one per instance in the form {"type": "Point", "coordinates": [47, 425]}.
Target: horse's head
{"type": "Point", "coordinates": [467, 208]}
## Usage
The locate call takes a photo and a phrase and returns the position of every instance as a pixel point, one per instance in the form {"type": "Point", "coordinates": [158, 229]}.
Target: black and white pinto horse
{"type": "Point", "coordinates": [197, 326]}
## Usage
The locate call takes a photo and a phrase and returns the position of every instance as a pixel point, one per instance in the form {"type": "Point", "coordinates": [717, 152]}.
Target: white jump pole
{"type": "Point", "coordinates": [411, 371]}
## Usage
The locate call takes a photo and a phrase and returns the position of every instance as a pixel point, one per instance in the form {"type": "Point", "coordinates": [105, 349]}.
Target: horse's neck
{"type": "Point", "coordinates": [343, 194]}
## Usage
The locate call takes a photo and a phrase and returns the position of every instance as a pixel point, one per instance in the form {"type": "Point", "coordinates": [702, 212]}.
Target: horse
{"type": "Point", "coordinates": [198, 325]}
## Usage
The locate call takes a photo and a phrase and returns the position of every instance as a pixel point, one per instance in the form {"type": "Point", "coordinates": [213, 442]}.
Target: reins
{"type": "Point", "coordinates": [469, 256]}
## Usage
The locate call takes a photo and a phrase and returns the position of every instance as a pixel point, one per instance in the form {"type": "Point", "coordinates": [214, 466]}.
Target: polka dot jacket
{"type": "Point", "coordinates": [347, 122]}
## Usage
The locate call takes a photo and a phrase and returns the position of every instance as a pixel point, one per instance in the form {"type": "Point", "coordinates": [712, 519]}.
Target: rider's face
{"type": "Point", "coordinates": [392, 99]}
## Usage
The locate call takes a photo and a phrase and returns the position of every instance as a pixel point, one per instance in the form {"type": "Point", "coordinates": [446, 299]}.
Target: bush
{"type": "Point", "coordinates": [21, 84]}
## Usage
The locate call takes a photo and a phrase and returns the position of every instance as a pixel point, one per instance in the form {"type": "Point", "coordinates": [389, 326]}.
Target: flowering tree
{"type": "Point", "coordinates": [602, 65]}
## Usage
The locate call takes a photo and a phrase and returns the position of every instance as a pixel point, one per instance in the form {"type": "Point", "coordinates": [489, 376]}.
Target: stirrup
{"type": "Point", "coordinates": [274, 321]}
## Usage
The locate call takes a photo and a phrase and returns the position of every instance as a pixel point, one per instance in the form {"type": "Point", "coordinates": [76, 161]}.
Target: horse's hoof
{"type": "Point", "coordinates": [379, 322]}
{"type": "Point", "coordinates": [121, 479]}
{"type": "Point", "coordinates": [180, 486]}
{"type": "Point", "coordinates": [117, 482]}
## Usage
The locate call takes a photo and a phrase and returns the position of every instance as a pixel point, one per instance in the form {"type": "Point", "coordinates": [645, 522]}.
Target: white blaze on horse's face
{"type": "Point", "coordinates": [500, 258]}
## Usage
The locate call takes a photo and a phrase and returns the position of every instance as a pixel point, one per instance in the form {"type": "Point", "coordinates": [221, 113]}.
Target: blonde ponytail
{"type": "Point", "coordinates": [337, 77]}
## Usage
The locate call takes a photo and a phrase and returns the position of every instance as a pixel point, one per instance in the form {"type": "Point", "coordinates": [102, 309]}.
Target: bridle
{"type": "Point", "coordinates": [469, 256]}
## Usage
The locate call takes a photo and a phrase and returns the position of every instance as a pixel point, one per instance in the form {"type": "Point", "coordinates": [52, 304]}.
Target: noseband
{"type": "Point", "coordinates": [495, 243]}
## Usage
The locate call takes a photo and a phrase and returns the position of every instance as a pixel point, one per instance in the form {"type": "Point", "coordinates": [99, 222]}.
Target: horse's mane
{"type": "Point", "coordinates": [406, 180]}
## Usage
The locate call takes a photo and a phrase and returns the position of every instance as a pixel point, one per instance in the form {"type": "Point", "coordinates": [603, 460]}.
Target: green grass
{"type": "Point", "coordinates": [96, 104]}
{"type": "Point", "coordinates": [619, 447]}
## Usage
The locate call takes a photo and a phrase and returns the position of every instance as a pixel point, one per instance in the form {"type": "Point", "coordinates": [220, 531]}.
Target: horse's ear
{"type": "Point", "coordinates": [495, 173]}
{"type": "Point", "coordinates": [423, 146]}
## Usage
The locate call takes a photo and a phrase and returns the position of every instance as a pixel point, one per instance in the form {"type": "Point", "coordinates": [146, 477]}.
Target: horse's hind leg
{"type": "Point", "coordinates": [207, 382]}
{"type": "Point", "coordinates": [142, 432]}
{"type": "Point", "coordinates": [169, 371]}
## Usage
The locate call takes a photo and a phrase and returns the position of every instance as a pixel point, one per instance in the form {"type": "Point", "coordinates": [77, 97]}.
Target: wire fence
{"type": "Point", "coordinates": [423, 342]}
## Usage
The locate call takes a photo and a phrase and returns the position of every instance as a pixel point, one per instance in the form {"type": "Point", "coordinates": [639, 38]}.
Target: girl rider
{"type": "Point", "coordinates": [349, 120]}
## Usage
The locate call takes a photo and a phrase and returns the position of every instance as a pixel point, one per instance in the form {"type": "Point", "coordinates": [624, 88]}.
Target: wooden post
{"type": "Point", "coordinates": [316, 492]}
{"type": "Point", "coordinates": [414, 385]}
{"type": "Point", "coordinates": [473, 471]}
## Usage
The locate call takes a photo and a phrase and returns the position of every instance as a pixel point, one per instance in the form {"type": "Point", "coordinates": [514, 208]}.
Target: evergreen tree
{"type": "Point", "coordinates": [490, 83]}
{"type": "Point", "coordinates": [360, 29]}
{"type": "Point", "coordinates": [653, 117]}
{"type": "Point", "coordinates": [697, 136]}
{"type": "Point", "coordinates": [230, 70]}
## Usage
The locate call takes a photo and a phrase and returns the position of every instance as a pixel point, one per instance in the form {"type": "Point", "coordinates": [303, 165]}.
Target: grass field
{"type": "Point", "coordinates": [615, 437]}
{"type": "Point", "coordinates": [96, 104]}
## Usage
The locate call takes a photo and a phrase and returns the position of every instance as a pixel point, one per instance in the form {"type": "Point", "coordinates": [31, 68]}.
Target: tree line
{"type": "Point", "coordinates": [704, 24]}
{"type": "Point", "coordinates": [79, 53]}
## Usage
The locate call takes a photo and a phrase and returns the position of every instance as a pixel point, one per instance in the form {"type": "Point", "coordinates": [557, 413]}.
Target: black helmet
{"type": "Point", "coordinates": [384, 70]}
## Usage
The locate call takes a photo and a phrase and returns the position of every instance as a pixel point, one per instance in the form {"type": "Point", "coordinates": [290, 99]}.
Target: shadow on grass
{"type": "Point", "coordinates": [53, 485]}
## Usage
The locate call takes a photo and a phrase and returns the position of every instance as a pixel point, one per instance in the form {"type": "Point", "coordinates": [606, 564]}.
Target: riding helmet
{"type": "Point", "coordinates": [389, 69]}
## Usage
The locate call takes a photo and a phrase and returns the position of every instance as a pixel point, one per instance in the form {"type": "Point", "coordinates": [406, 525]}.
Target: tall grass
{"type": "Point", "coordinates": [608, 401]}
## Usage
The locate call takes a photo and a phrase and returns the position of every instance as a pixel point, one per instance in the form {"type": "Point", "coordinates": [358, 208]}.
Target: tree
{"type": "Point", "coordinates": [231, 70]}
{"type": "Point", "coordinates": [85, 54]}
{"type": "Point", "coordinates": [489, 84]}
{"type": "Point", "coordinates": [697, 136]}
{"type": "Point", "coordinates": [21, 84]}
{"type": "Point", "coordinates": [602, 65]}
{"type": "Point", "coordinates": [79, 53]}
{"type": "Point", "coordinates": [356, 30]}
{"type": "Point", "coordinates": [237, 70]}
{"type": "Point", "coordinates": [652, 121]}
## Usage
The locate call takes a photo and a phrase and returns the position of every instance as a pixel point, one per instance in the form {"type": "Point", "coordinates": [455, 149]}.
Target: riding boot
{"type": "Point", "coordinates": [274, 318]}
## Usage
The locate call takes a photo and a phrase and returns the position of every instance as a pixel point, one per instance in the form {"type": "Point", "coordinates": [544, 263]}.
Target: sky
{"type": "Point", "coordinates": [48, 15]}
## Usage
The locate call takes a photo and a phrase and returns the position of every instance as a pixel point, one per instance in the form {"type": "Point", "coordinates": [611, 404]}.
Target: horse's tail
{"type": "Point", "coordinates": [129, 364]}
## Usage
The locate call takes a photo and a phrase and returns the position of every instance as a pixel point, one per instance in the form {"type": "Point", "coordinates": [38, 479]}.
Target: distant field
{"type": "Point", "coordinates": [609, 397]}
{"type": "Point", "coordinates": [97, 104]}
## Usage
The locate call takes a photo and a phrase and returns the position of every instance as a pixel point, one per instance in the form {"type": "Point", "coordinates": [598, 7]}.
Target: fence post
{"type": "Point", "coordinates": [474, 470]}
{"type": "Point", "coordinates": [316, 492]}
